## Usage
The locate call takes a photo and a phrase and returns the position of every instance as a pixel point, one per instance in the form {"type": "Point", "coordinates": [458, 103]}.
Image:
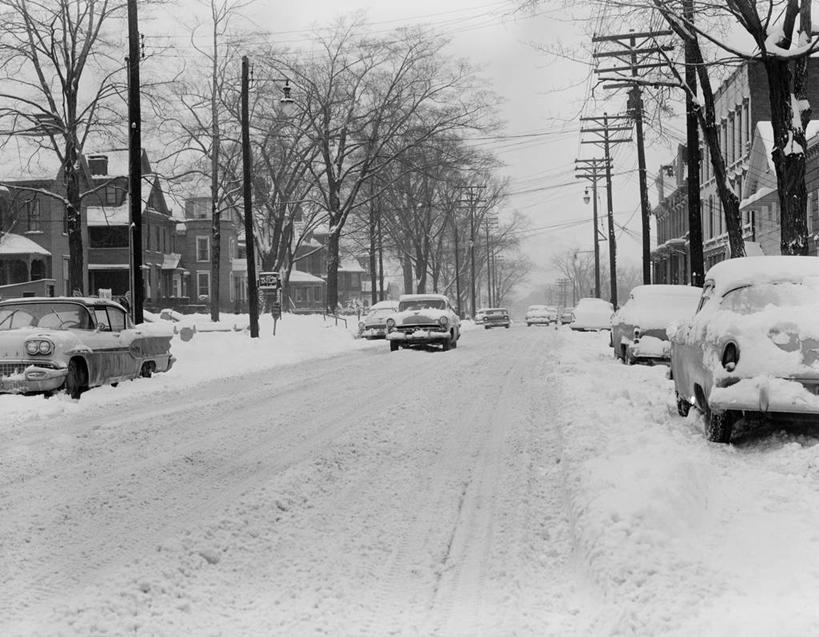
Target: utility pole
{"type": "Point", "coordinates": [588, 169]}
{"type": "Point", "coordinates": [373, 223]}
{"type": "Point", "coordinates": [473, 201]}
{"type": "Point", "coordinates": [635, 56]}
{"type": "Point", "coordinates": [135, 163]}
{"type": "Point", "coordinates": [250, 248]}
{"type": "Point", "coordinates": [457, 264]}
{"type": "Point", "coordinates": [603, 130]}
{"type": "Point", "coordinates": [488, 265]}
{"type": "Point", "coordinates": [216, 213]}
{"type": "Point", "coordinates": [692, 143]}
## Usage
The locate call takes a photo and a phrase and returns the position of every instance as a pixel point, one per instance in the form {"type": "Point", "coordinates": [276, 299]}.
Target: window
{"type": "Point", "coordinates": [203, 249]}
{"type": "Point", "coordinates": [33, 215]}
{"type": "Point", "coordinates": [108, 237]}
{"type": "Point", "coordinates": [231, 248]}
{"type": "Point", "coordinates": [203, 285]}
{"type": "Point", "coordinates": [110, 195]}
{"type": "Point", "coordinates": [66, 285]}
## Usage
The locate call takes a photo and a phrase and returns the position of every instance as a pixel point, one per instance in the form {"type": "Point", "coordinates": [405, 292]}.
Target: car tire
{"type": "Point", "coordinates": [507, 327]}
{"type": "Point", "coordinates": [147, 370]}
{"type": "Point", "coordinates": [720, 425]}
{"type": "Point", "coordinates": [76, 380]}
{"type": "Point", "coordinates": [622, 356]}
{"type": "Point", "coordinates": [446, 344]}
{"type": "Point", "coordinates": [528, 325]}
{"type": "Point", "coordinates": [683, 406]}
{"type": "Point", "coordinates": [394, 346]}
{"type": "Point", "coordinates": [486, 327]}
{"type": "Point", "coordinates": [455, 337]}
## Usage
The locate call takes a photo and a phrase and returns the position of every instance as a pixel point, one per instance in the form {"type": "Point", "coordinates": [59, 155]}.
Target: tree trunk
{"type": "Point", "coordinates": [420, 271]}
{"type": "Point", "coordinates": [406, 269]}
{"type": "Point", "coordinates": [76, 279]}
{"type": "Point", "coordinates": [788, 155]}
{"type": "Point", "coordinates": [332, 272]}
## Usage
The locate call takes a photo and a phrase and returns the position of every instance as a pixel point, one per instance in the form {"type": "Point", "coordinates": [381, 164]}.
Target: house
{"type": "Point", "coordinates": [670, 258]}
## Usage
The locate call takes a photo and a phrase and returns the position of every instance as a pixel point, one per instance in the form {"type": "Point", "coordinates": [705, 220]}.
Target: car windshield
{"type": "Point", "coordinates": [384, 311]}
{"type": "Point", "coordinates": [422, 304]}
{"type": "Point", "coordinates": [497, 312]}
{"type": "Point", "coordinates": [45, 315]}
{"type": "Point", "coordinates": [756, 297]}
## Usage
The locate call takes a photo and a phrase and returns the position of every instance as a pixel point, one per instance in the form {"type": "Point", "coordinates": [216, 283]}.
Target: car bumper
{"type": "Point", "coordinates": [539, 320]}
{"type": "Point", "coordinates": [651, 349]}
{"type": "Point", "coordinates": [498, 324]}
{"type": "Point", "coordinates": [767, 395]}
{"type": "Point", "coordinates": [418, 336]}
{"type": "Point", "coordinates": [374, 332]}
{"type": "Point", "coordinates": [33, 379]}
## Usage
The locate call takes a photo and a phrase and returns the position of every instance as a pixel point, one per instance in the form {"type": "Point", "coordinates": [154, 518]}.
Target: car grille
{"type": "Point", "coordinates": [9, 368]}
{"type": "Point", "coordinates": [432, 327]}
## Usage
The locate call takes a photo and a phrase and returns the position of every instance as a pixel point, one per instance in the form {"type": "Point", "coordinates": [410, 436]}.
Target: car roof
{"type": "Point", "coordinates": [84, 300]}
{"type": "Point", "coordinates": [732, 273]}
{"type": "Point", "coordinates": [664, 289]}
{"type": "Point", "coordinates": [423, 297]}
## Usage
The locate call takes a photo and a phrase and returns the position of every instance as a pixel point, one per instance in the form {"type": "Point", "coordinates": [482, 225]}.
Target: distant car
{"type": "Point", "coordinates": [540, 315]}
{"type": "Point", "coordinates": [480, 315]}
{"type": "Point", "coordinates": [638, 329]}
{"type": "Point", "coordinates": [752, 348]}
{"type": "Point", "coordinates": [591, 314]}
{"type": "Point", "coordinates": [188, 324]}
{"type": "Point", "coordinates": [423, 319]}
{"type": "Point", "coordinates": [374, 323]}
{"type": "Point", "coordinates": [497, 317]}
{"type": "Point", "coordinates": [565, 315]}
{"type": "Point", "coordinates": [47, 343]}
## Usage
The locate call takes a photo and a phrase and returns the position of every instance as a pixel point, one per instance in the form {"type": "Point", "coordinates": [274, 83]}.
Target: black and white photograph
{"type": "Point", "coordinates": [368, 318]}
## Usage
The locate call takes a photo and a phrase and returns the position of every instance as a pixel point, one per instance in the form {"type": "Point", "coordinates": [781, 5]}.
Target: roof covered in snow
{"type": "Point", "coordinates": [17, 244]}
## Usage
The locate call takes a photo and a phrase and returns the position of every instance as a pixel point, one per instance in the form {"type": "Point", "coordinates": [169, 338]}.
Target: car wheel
{"type": "Point", "coordinates": [683, 406]}
{"type": "Point", "coordinates": [507, 327]}
{"type": "Point", "coordinates": [76, 380]}
{"type": "Point", "coordinates": [486, 327]}
{"type": "Point", "coordinates": [394, 346]}
{"type": "Point", "coordinates": [631, 359]}
{"type": "Point", "coordinates": [528, 325]}
{"type": "Point", "coordinates": [446, 344]}
{"type": "Point", "coordinates": [720, 425]}
{"type": "Point", "coordinates": [622, 356]}
{"type": "Point", "coordinates": [455, 337]}
{"type": "Point", "coordinates": [147, 370]}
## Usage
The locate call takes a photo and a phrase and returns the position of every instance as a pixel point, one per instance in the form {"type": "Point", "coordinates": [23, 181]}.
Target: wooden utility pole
{"type": "Point", "coordinates": [696, 258]}
{"type": "Point", "coordinates": [216, 214]}
{"type": "Point", "coordinates": [250, 250]}
{"type": "Point", "coordinates": [490, 301]}
{"type": "Point", "coordinates": [588, 169]}
{"type": "Point", "coordinates": [635, 49]}
{"type": "Point", "coordinates": [135, 163]}
{"type": "Point", "coordinates": [457, 265]}
{"type": "Point", "coordinates": [603, 133]}
{"type": "Point", "coordinates": [473, 202]}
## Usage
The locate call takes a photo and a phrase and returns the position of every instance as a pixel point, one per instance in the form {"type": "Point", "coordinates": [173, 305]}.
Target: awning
{"type": "Point", "coordinates": [297, 276]}
{"type": "Point", "coordinates": [18, 244]}
{"type": "Point", "coordinates": [109, 266]}
{"type": "Point", "coordinates": [170, 261]}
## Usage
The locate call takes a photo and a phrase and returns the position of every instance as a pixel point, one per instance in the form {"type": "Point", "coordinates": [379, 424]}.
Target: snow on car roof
{"type": "Point", "coordinates": [422, 297]}
{"type": "Point", "coordinates": [590, 300]}
{"type": "Point", "coordinates": [733, 273]}
{"type": "Point", "coordinates": [384, 305]}
{"type": "Point", "coordinates": [663, 289]}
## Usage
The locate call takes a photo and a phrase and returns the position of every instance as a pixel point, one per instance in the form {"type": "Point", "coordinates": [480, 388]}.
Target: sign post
{"type": "Point", "coordinates": [270, 284]}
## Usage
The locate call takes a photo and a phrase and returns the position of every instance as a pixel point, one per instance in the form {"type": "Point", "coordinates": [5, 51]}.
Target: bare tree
{"type": "Point", "coordinates": [57, 70]}
{"type": "Point", "coordinates": [365, 98]}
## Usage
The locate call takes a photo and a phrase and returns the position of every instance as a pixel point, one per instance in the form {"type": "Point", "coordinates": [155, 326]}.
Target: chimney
{"type": "Point", "coordinates": [98, 165]}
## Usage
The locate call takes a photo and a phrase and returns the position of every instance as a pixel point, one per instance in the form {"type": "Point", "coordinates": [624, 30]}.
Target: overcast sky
{"type": "Point", "coordinates": [542, 98]}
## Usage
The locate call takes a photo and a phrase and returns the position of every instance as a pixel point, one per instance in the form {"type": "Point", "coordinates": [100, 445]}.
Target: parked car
{"type": "Point", "coordinates": [638, 329]}
{"type": "Point", "coordinates": [540, 315]}
{"type": "Point", "coordinates": [591, 314]}
{"type": "Point", "coordinates": [752, 348]}
{"type": "Point", "coordinates": [423, 319]}
{"type": "Point", "coordinates": [374, 323]}
{"type": "Point", "coordinates": [497, 317]}
{"type": "Point", "coordinates": [51, 342]}
{"type": "Point", "coordinates": [565, 315]}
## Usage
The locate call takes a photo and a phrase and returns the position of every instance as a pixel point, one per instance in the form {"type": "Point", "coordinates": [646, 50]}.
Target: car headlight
{"type": "Point", "coordinates": [637, 333]}
{"type": "Point", "coordinates": [361, 325]}
{"type": "Point", "coordinates": [443, 321]}
{"type": "Point", "coordinates": [39, 346]}
{"type": "Point", "coordinates": [390, 323]}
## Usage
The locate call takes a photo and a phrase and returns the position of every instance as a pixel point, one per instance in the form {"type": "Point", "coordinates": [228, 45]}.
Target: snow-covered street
{"type": "Point", "coordinates": [525, 483]}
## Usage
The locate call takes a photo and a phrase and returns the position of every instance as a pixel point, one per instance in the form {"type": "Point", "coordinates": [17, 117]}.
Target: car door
{"type": "Point", "coordinates": [112, 341]}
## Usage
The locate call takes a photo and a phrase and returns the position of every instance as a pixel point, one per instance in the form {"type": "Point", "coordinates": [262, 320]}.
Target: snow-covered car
{"type": "Point", "coordinates": [565, 315]}
{"type": "Point", "coordinates": [423, 319]}
{"type": "Point", "coordinates": [374, 323]}
{"type": "Point", "coordinates": [73, 342]}
{"type": "Point", "coordinates": [638, 329]}
{"type": "Point", "coordinates": [540, 315]}
{"type": "Point", "coordinates": [591, 314]}
{"type": "Point", "coordinates": [497, 317]}
{"type": "Point", "coordinates": [752, 348]}
{"type": "Point", "coordinates": [188, 324]}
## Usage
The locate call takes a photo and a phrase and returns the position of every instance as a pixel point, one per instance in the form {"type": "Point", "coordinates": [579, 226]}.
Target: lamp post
{"type": "Point", "coordinates": [250, 247]}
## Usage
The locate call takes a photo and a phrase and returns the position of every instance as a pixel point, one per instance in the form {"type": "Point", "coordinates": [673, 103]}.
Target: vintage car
{"type": "Point", "coordinates": [374, 323]}
{"type": "Point", "coordinates": [47, 343]}
{"type": "Point", "coordinates": [423, 319]}
{"type": "Point", "coordinates": [638, 329]}
{"type": "Point", "coordinates": [752, 348]}
{"type": "Point", "coordinates": [540, 315]}
{"type": "Point", "coordinates": [497, 317]}
{"type": "Point", "coordinates": [591, 314]}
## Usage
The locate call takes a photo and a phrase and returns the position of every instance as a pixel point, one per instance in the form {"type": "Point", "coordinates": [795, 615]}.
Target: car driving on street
{"type": "Point", "coordinates": [423, 319]}
{"type": "Point", "coordinates": [497, 317]}
{"type": "Point", "coordinates": [540, 315]}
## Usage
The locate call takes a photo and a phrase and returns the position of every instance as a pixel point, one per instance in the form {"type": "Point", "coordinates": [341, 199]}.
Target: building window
{"type": "Point", "coordinates": [65, 220]}
{"type": "Point", "coordinates": [231, 248]}
{"type": "Point", "coordinates": [66, 285]}
{"type": "Point", "coordinates": [111, 196]}
{"type": "Point", "coordinates": [203, 285]}
{"type": "Point", "coordinates": [33, 215]}
{"type": "Point", "coordinates": [202, 249]}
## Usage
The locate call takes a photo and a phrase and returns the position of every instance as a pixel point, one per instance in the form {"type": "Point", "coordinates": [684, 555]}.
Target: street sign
{"type": "Point", "coordinates": [269, 281]}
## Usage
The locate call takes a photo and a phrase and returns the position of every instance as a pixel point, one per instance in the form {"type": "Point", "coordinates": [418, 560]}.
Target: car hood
{"type": "Point", "coordinates": [419, 317]}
